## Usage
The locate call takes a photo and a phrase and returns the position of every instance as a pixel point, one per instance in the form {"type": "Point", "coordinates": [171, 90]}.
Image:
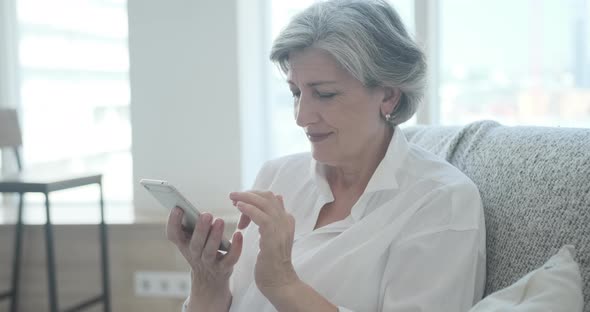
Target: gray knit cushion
{"type": "Point", "coordinates": [535, 187]}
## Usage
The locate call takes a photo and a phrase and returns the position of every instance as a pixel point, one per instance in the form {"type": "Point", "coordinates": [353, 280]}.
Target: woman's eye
{"type": "Point", "coordinates": [325, 95]}
{"type": "Point", "coordinates": [296, 94]}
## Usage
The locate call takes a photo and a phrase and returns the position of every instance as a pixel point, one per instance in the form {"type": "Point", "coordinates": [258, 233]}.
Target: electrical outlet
{"type": "Point", "coordinates": [162, 284]}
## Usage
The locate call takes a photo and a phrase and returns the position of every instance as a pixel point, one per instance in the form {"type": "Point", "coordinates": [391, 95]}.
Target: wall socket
{"type": "Point", "coordinates": [162, 284]}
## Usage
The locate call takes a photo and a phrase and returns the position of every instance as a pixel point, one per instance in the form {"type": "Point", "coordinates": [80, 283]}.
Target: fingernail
{"type": "Point", "coordinates": [206, 218]}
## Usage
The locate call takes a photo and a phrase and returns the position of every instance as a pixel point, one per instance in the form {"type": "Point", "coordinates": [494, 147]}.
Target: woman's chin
{"type": "Point", "coordinates": [322, 156]}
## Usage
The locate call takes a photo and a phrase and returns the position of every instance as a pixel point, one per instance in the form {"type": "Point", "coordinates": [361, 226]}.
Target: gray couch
{"type": "Point", "coordinates": [535, 187]}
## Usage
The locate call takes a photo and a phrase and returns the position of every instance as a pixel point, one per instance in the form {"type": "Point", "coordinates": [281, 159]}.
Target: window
{"type": "Point", "coordinates": [531, 67]}
{"type": "Point", "coordinates": [74, 97]}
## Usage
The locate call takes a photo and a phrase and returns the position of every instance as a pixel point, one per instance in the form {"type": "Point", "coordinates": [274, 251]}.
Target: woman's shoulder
{"type": "Point", "coordinates": [291, 167]}
{"type": "Point", "coordinates": [448, 198]}
{"type": "Point", "coordinates": [426, 167]}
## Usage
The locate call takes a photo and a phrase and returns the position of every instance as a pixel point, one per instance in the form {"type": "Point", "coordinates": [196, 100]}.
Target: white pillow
{"type": "Point", "coordinates": [556, 286]}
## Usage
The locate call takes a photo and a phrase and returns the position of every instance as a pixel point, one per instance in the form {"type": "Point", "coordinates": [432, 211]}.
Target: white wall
{"type": "Point", "coordinates": [9, 84]}
{"type": "Point", "coordinates": [184, 100]}
{"type": "Point", "coordinates": [8, 58]}
{"type": "Point", "coordinates": [253, 49]}
{"type": "Point", "coordinates": [3, 53]}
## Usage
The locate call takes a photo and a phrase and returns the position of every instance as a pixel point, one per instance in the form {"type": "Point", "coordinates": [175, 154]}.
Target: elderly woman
{"type": "Point", "coordinates": [366, 221]}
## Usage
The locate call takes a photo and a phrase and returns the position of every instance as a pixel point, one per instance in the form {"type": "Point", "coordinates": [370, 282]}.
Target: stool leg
{"type": "Point", "coordinates": [52, 283]}
{"type": "Point", "coordinates": [104, 251]}
{"type": "Point", "coordinates": [17, 254]}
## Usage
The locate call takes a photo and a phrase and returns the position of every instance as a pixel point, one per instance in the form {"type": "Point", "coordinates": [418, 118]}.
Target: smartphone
{"type": "Point", "coordinates": [170, 197]}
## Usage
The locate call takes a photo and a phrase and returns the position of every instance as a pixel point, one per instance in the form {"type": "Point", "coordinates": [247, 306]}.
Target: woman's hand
{"type": "Point", "coordinates": [210, 268]}
{"type": "Point", "coordinates": [274, 270]}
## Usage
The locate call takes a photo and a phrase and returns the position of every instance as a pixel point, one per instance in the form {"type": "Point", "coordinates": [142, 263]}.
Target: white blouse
{"type": "Point", "coordinates": [414, 241]}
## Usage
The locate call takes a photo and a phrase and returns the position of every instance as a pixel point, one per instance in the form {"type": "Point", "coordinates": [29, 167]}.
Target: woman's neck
{"type": "Point", "coordinates": [355, 175]}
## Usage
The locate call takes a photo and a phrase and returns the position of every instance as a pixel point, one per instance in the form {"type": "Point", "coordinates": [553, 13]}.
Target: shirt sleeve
{"type": "Point", "coordinates": [442, 267]}
{"type": "Point", "coordinates": [436, 272]}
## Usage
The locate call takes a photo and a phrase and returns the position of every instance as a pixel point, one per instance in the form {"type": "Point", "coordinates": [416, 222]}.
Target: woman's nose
{"type": "Point", "coordinates": [305, 112]}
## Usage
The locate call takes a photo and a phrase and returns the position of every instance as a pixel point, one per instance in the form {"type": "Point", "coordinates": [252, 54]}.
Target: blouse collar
{"type": "Point", "coordinates": [383, 179]}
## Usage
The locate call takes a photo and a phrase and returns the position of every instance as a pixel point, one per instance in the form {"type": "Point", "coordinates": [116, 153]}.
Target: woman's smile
{"type": "Point", "coordinates": [316, 137]}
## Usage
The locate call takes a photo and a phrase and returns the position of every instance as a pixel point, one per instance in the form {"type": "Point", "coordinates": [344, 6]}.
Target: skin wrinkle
{"type": "Point", "coordinates": [359, 136]}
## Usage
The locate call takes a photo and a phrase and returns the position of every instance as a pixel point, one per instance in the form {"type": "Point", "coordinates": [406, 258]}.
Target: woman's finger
{"type": "Point", "coordinates": [234, 252]}
{"type": "Point", "coordinates": [209, 254]}
{"type": "Point", "coordinates": [252, 198]}
{"type": "Point", "coordinates": [202, 228]}
{"type": "Point", "coordinates": [266, 194]}
{"type": "Point", "coordinates": [244, 222]}
{"type": "Point", "coordinates": [174, 231]}
{"type": "Point", "coordinates": [271, 197]}
{"type": "Point", "coordinates": [281, 201]}
{"type": "Point", "coordinates": [254, 213]}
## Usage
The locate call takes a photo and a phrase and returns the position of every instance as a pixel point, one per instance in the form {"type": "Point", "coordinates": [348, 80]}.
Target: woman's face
{"type": "Point", "coordinates": [341, 117]}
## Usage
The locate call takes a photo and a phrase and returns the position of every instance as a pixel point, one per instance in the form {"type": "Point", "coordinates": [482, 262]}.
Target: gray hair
{"type": "Point", "coordinates": [368, 38]}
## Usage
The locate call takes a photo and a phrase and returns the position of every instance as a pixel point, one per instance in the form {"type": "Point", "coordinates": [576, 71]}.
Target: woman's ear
{"type": "Point", "coordinates": [391, 98]}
